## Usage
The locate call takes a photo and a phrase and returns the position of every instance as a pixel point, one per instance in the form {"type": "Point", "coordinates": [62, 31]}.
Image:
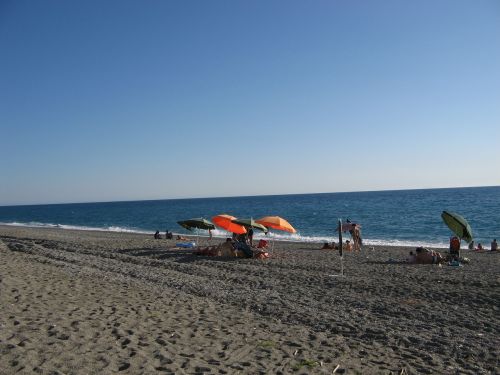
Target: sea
{"type": "Point", "coordinates": [396, 217]}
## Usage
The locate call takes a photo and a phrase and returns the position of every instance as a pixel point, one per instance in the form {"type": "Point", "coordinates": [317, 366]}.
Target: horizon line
{"type": "Point", "coordinates": [248, 196]}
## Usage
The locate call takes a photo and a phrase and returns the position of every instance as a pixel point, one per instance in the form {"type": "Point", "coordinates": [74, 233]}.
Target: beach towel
{"type": "Point", "coordinates": [185, 244]}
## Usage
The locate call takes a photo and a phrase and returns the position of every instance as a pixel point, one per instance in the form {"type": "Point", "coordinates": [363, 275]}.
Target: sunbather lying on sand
{"type": "Point", "coordinates": [427, 256]}
{"type": "Point", "coordinates": [207, 250]}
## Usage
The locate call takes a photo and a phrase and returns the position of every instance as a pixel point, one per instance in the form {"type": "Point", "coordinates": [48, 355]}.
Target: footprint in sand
{"type": "Point", "coordinates": [160, 341]}
{"type": "Point", "coordinates": [123, 366]}
{"type": "Point", "coordinates": [74, 324]}
{"type": "Point", "coordinates": [125, 342]}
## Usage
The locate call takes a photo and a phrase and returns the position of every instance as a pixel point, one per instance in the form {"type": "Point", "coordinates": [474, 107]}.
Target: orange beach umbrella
{"type": "Point", "coordinates": [276, 222]}
{"type": "Point", "coordinates": [225, 222]}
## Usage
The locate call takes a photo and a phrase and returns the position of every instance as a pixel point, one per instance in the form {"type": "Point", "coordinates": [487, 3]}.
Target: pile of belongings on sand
{"type": "Point", "coordinates": [234, 249]}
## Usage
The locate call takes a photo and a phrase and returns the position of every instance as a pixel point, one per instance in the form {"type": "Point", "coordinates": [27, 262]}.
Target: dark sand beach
{"type": "Point", "coordinates": [78, 302]}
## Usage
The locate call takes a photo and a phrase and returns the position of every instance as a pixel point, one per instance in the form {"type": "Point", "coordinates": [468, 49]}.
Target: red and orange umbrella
{"type": "Point", "coordinates": [225, 222]}
{"type": "Point", "coordinates": [276, 222]}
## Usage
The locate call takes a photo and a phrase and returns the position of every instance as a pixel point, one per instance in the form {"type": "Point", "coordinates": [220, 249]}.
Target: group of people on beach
{"type": "Point", "coordinates": [236, 246]}
{"type": "Point", "coordinates": [243, 244]}
{"type": "Point", "coordinates": [479, 247]}
{"type": "Point", "coordinates": [244, 237]}
{"type": "Point", "coordinates": [168, 235]}
{"type": "Point", "coordinates": [240, 245]}
{"type": "Point", "coordinates": [354, 244]}
{"type": "Point", "coordinates": [423, 255]}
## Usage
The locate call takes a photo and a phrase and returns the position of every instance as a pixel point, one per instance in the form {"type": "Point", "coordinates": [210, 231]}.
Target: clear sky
{"type": "Point", "coordinates": [122, 100]}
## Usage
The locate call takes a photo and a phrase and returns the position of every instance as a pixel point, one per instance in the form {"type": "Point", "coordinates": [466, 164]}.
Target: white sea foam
{"type": "Point", "coordinates": [34, 224]}
{"type": "Point", "coordinates": [297, 237]}
{"type": "Point", "coordinates": [218, 233]}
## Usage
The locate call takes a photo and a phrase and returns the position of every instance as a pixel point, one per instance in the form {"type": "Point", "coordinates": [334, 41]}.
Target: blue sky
{"type": "Point", "coordinates": [119, 100]}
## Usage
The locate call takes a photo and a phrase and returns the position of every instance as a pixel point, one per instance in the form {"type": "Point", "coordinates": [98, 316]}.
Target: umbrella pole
{"type": "Point", "coordinates": [340, 252]}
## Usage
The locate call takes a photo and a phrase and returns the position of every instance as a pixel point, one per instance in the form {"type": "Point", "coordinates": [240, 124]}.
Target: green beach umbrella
{"type": "Point", "coordinates": [458, 225]}
{"type": "Point", "coordinates": [198, 223]}
{"type": "Point", "coordinates": [250, 223]}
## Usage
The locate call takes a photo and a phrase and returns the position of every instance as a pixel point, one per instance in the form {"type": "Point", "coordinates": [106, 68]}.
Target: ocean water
{"type": "Point", "coordinates": [400, 217]}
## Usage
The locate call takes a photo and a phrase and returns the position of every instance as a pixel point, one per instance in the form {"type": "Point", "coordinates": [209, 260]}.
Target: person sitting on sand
{"type": "Point", "coordinates": [479, 247]}
{"type": "Point", "coordinates": [494, 245]}
{"type": "Point", "coordinates": [455, 247]}
{"type": "Point", "coordinates": [226, 249]}
{"type": "Point", "coordinates": [347, 246]}
{"type": "Point", "coordinates": [168, 235]}
{"type": "Point", "coordinates": [262, 244]}
{"type": "Point", "coordinates": [242, 238]}
{"type": "Point", "coordinates": [471, 245]}
{"type": "Point", "coordinates": [157, 235]}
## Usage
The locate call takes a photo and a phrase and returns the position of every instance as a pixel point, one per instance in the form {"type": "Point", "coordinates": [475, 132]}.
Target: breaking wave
{"type": "Point", "coordinates": [218, 233]}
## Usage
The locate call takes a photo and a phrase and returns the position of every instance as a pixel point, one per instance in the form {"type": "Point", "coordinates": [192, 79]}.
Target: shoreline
{"type": "Point", "coordinates": [307, 240]}
{"type": "Point", "coordinates": [105, 302]}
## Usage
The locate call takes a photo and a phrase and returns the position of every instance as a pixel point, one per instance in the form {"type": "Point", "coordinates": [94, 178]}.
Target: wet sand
{"type": "Point", "coordinates": [76, 302]}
